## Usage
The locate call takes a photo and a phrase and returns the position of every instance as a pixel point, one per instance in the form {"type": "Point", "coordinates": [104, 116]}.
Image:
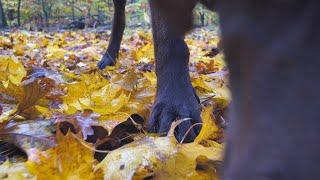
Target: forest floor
{"type": "Point", "coordinates": [60, 115]}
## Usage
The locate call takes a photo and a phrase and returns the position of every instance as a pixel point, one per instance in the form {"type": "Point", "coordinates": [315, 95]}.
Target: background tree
{"type": "Point", "coordinates": [73, 9]}
{"type": "Point", "coordinates": [35, 14]}
{"type": "Point", "coordinates": [45, 12]}
{"type": "Point", "coordinates": [3, 20]}
{"type": "Point", "coordinates": [202, 15]}
{"type": "Point", "coordinates": [19, 13]}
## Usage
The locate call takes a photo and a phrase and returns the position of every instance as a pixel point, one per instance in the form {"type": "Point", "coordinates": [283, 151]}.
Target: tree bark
{"type": "Point", "coordinates": [45, 13]}
{"type": "Point", "coordinates": [73, 10]}
{"type": "Point", "coordinates": [3, 20]}
{"type": "Point", "coordinates": [19, 13]}
{"type": "Point", "coordinates": [202, 18]}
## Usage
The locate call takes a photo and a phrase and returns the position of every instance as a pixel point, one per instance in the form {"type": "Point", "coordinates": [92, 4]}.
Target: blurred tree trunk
{"type": "Point", "coordinates": [87, 14]}
{"type": "Point", "coordinates": [45, 13]}
{"type": "Point", "coordinates": [202, 15]}
{"type": "Point", "coordinates": [202, 18]}
{"type": "Point", "coordinates": [73, 10]}
{"type": "Point", "coordinates": [19, 13]}
{"type": "Point", "coordinates": [3, 20]}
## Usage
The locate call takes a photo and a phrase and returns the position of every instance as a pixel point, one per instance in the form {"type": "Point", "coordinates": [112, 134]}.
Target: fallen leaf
{"type": "Point", "coordinates": [159, 158]}
{"type": "Point", "coordinates": [18, 50]}
{"type": "Point", "coordinates": [11, 70]}
{"type": "Point", "coordinates": [70, 159]}
{"type": "Point", "coordinates": [29, 134]}
{"type": "Point", "coordinates": [209, 129]}
{"type": "Point", "coordinates": [14, 171]}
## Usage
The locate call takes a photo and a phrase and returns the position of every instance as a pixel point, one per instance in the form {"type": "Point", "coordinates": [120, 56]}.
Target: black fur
{"type": "Point", "coordinates": [109, 58]}
{"type": "Point", "coordinates": [175, 97]}
{"type": "Point", "coordinates": [271, 48]}
{"type": "Point", "coordinates": [272, 51]}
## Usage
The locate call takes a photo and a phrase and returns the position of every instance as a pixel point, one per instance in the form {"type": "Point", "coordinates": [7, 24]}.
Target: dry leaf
{"type": "Point", "coordinates": [160, 158]}
{"type": "Point", "coordinates": [69, 160]}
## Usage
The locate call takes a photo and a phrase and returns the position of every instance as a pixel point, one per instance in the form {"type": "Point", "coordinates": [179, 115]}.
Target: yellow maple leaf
{"type": "Point", "coordinates": [96, 94]}
{"type": "Point", "coordinates": [151, 76]}
{"type": "Point", "coordinates": [128, 81]}
{"type": "Point", "coordinates": [14, 171]}
{"type": "Point", "coordinates": [222, 96]}
{"type": "Point", "coordinates": [43, 41]}
{"type": "Point", "coordinates": [11, 70]}
{"type": "Point", "coordinates": [208, 158]}
{"type": "Point", "coordinates": [92, 53]}
{"type": "Point", "coordinates": [145, 53]}
{"type": "Point", "coordinates": [18, 50]}
{"type": "Point", "coordinates": [7, 112]}
{"type": "Point", "coordinates": [203, 82]}
{"type": "Point", "coordinates": [163, 158]}
{"type": "Point", "coordinates": [5, 42]}
{"type": "Point", "coordinates": [160, 158]}
{"type": "Point", "coordinates": [70, 159]}
{"type": "Point", "coordinates": [55, 53]}
{"type": "Point", "coordinates": [209, 128]}
{"type": "Point", "coordinates": [109, 106]}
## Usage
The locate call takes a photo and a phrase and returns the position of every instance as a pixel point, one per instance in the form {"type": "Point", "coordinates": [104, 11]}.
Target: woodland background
{"type": "Point", "coordinates": [57, 14]}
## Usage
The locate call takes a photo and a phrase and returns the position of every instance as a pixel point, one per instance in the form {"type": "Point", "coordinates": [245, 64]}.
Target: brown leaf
{"type": "Point", "coordinates": [35, 87]}
{"type": "Point", "coordinates": [122, 134]}
{"type": "Point", "coordinates": [39, 134]}
{"type": "Point", "coordinates": [78, 123]}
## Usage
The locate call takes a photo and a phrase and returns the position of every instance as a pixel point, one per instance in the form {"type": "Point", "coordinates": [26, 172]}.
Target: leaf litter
{"type": "Point", "coordinates": [74, 121]}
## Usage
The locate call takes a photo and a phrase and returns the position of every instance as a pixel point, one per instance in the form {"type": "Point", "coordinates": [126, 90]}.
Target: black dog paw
{"type": "Point", "coordinates": [167, 110]}
{"type": "Point", "coordinates": [106, 61]}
